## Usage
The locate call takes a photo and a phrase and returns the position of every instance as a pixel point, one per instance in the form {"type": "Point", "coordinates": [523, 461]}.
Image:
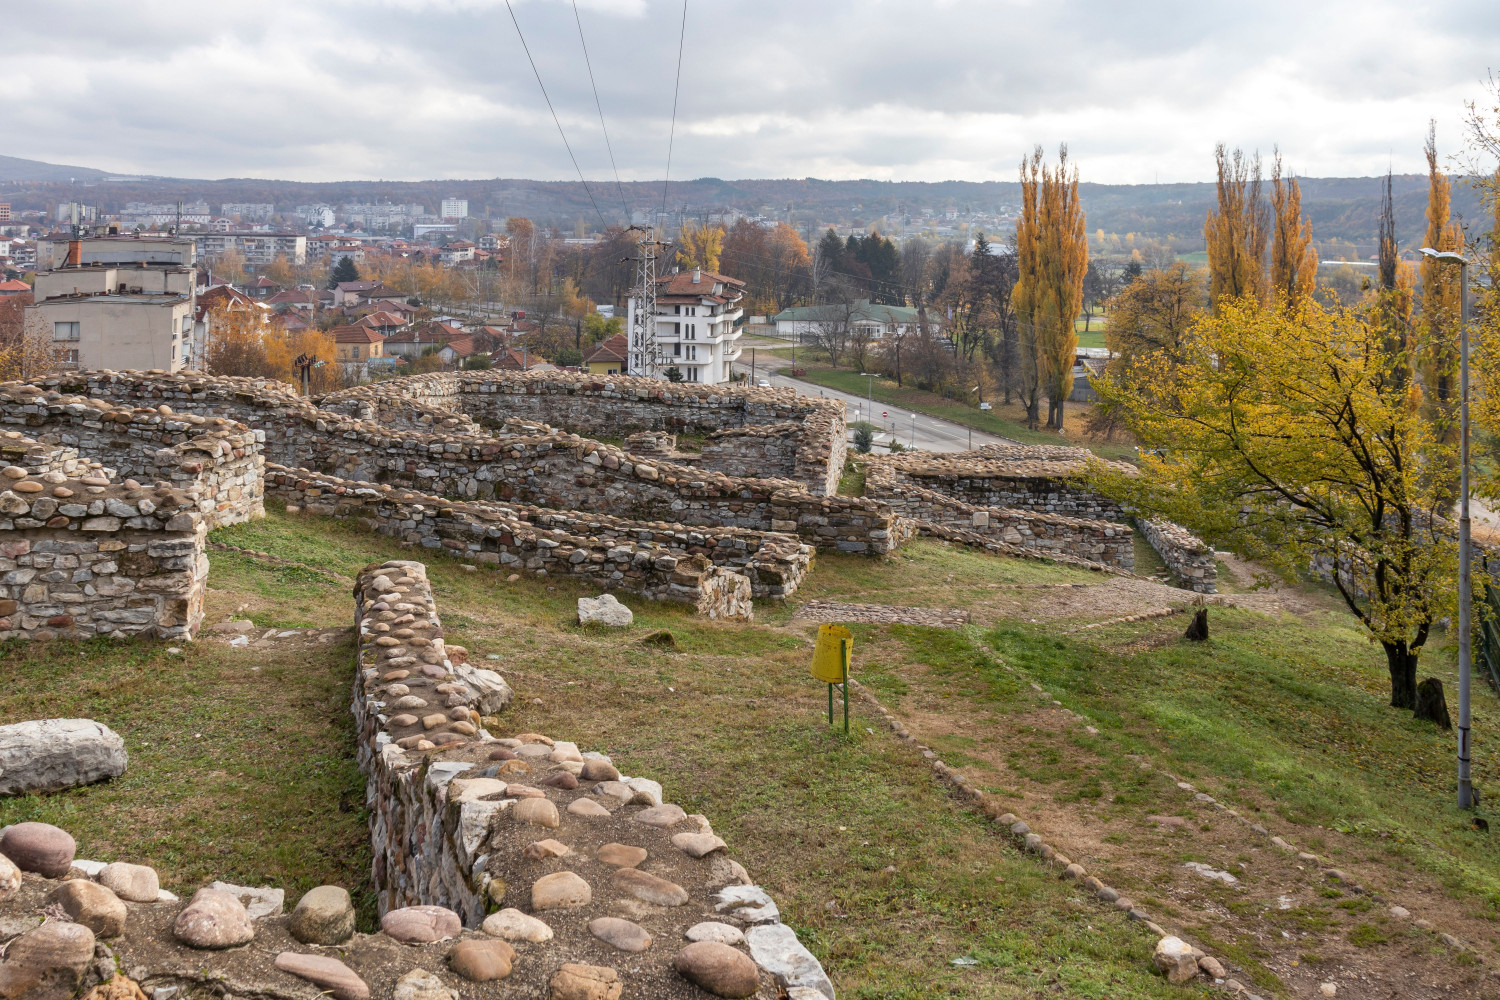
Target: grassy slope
{"type": "Point", "coordinates": [1284, 716]}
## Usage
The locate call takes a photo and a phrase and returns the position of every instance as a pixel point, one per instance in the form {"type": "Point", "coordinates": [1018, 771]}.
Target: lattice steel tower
{"type": "Point", "coordinates": [645, 356]}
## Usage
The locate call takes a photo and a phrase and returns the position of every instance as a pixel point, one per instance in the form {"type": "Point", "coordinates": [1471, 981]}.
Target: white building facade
{"type": "Point", "coordinates": [696, 332]}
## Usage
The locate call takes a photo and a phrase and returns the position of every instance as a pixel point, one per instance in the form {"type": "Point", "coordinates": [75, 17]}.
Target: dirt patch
{"type": "Point", "coordinates": [880, 614]}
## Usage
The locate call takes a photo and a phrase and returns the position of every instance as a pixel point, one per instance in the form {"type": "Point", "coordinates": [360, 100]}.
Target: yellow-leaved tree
{"type": "Point", "coordinates": [1441, 306]}
{"type": "Point", "coordinates": [1294, 261]}
{"type": "Point", "coordinates": [701, 246]}
{"type": "Point", "coordinates": [1052, 257]}
{"type": "Point", "coordinates": [1235, 232]}
{"type": "Point", "coordinates": [1290, 436]}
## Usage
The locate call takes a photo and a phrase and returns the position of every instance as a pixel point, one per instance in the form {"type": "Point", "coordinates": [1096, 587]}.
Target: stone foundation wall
{"type": "Point", "coordinates": [86, 557]}
{"type": "Point", "coordinates": [1189, 557]}
{"type": "Point", "coordinates": [1044, 479]}
{"type": "Point", "coordinates": [555, 470]}
{"type": "Point", "coordinates": [220, 458]}
{"type": "Point", "coordinates": [463, 820]}
{"type": "Point", "coordinates": [617, 556]}
{"type": "Point", "coordinates": [612, 407]}
{"type": "Point", "coordinates": [1091, 540]}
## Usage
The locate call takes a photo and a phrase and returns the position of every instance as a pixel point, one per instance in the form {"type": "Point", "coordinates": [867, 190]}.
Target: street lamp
{"type": "Point", "coordinates": [870, 391]}
{"type": "Point", "coordinates": [1465, 784]}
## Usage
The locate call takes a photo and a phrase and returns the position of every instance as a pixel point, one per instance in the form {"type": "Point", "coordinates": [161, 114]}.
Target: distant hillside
{"type": "Point", "coordinates": [13, 168]}
{"type": "Point", "coordinates": [1341, 208]}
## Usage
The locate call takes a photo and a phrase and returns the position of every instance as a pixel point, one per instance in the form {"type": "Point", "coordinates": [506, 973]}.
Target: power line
{"type": "Point", "coordinates": [618, 187]}
{"type": "Point", "coordinates": [555, 120]}
{"type": "Point", "coordinates": [676, 88]}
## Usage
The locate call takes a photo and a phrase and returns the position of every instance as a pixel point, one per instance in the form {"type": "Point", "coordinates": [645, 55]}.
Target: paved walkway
{"type": "Point", "coordinates": [910, 428]}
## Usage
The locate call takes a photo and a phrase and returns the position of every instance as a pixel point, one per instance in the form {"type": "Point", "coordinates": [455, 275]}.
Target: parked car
{"type": "Point", "coordinates": [763, 384]}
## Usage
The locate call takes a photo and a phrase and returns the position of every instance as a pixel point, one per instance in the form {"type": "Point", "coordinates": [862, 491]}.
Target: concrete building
{"type": "Point", "coordinates": [118, 302]}
{"type": "Point", "coordinates": [257, 249]}
{"type": "Point", "coordinates": [608, 358]}
{"type": "Point", "coordinates": [696, 312]}
{"type": "Point", "coordinates": [455, 208]}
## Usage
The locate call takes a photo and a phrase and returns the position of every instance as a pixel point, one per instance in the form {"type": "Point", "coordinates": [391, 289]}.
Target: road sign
{"type": "Point", "coordinates": [831, 661]}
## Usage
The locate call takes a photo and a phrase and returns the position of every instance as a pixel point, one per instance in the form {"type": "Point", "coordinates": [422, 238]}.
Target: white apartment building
{"type": "Point", "coordinates": [255, 248]}
{"type": "Point", "coordinates": [249, 211]}
{"type": "Point", "coordinates": [696, 312]}
{"type": "Point", "coordinates": [455, 208]}
{"type": "Point", "coordinates": [117, 301]}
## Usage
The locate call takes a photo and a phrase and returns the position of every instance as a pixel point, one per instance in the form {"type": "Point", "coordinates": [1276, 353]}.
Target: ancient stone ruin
{"type": "Point", "coordinates": [527, 862]}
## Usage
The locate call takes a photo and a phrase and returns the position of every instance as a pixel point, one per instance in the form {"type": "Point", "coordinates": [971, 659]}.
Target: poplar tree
{"type": "Point", "coordinates": [1294, 261]}
{"type": "Point", "coordinates": [1235, 234]}
{"type": "Point", "coordinates": [1052, 258]}
{"type": "Point", "coordinates": [1441, 304]}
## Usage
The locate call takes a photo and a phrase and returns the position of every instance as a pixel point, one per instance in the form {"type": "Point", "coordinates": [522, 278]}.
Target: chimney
{"type": "Point", "coordinates": [75, 253]}
{"type": "Point", "coordinates": [697, 275]}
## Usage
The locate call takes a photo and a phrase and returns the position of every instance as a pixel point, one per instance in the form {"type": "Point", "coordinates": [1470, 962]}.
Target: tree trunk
{"type": "Point", "coordinates": [1402, 663]}
{"type": "Point", "coordinates": [1431, 704]}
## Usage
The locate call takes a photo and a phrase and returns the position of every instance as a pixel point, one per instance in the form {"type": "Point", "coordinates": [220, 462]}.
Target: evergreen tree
{"type": "Point", "coordinates": [343, 271]}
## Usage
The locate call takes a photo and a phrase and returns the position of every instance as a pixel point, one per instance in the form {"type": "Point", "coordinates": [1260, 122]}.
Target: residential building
{"type": "Point", "coordinates": [696, 331]}
{"type": "Point", "coordinates": [10, 288]}
{"type": "Point", "coordinates": [417, 341]}
{"type": "Point", "coordinates": [357, 344]}
{"type": "Point", "coordinates": [257, 249]}
{"type": "Point", "coordinates": [608, 358]}
{"type": "Point", "coordinates": [455, 208]}
{"type": "Point", "coordinates": [862, 318]}
{"type": "Point", "coordinates": [4, 211]}
{"type": "Point", "coordinates": [262, 288]}
{"type": "Point", "coordinates": [334, 248]}
{"type": "Point", "coordinates": [352, 293]}
{"type": "Point", "coordinates": [456, 252]}
{"type": "Point", "coordinates": [119, 302]}
{"type": "Point", "coordinates": [383, 322]}
{"type": "Point", "coordinates": [249, 211]}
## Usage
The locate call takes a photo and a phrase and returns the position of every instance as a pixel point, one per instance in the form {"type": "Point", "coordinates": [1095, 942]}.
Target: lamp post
{"type": "Point", "coordinates": [1465, 784]}
{"type": "Point", "coordinates": [870, 390]}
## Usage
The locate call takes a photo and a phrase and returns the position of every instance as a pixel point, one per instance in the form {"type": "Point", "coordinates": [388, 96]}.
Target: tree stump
{"type": "Point", "coordinates": [1431, 705]}
{"type": "Point", "coordinates": [1198, 630]}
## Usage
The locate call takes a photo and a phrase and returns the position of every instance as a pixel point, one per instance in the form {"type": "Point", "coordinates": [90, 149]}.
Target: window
{"type": "Point", "coordinates": [71, 357]}
{"type": "Point", "coordinates": [692, 374]}
{"type": "Point", "coordinates": [65, 331]}
{"type": "Point", "coordinates": [355, 349]}
{"type": "Point", "coordinates": [676, 350]}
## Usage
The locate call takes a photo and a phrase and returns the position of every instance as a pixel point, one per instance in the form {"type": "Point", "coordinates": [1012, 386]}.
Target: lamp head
{"type": "Point", "coordinates": [1447, 256]}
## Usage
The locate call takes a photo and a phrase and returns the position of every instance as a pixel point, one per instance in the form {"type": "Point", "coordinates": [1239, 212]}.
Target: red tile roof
{"type": "Point", "coordinates": [613, 349]}
{"type": "Point", "coordinates": [355, 335]}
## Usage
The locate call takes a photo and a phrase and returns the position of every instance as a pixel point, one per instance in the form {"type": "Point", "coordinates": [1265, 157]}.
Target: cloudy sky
{"type": "Point", "coordinates": [324, 90]}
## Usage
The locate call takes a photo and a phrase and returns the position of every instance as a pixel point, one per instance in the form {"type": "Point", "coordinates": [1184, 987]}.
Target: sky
{"type": "Point", "coordinates": [924, 90]}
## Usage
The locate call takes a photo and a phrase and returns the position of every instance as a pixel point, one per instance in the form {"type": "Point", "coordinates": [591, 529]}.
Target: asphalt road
{"type": "Point", "coordinates": [911, 429]}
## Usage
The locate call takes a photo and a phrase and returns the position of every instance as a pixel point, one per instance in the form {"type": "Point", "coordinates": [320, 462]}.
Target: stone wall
{"type": "Point", "coordinates": [659, 562]}
{"type": "Point", "coordinates": [1189, 557]}
{"type": "Point", "coordinates": [554, 469]}
{"type": "Point", "coordinates": [87, 557]}
{"type": "Point", "coordinates": [812, 454]}
{"type": "Point", "coordinates": [1049, 479]}
{"type": "Point", "coordinates": [463, 820]}
{"type": "Point", "coordinates": [219, 458]}
{"type": "Point", "coordinates": [1091, 540]}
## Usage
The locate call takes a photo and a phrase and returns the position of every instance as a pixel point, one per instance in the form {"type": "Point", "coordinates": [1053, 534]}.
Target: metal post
{"type": "Point", "coordinates": [830, 704]}
{"type": "Point", "coordinates": [752, 366]}
{"type": "Point", "coordinates": [844, 665]}
{"type": "Point", "coordinates": [1465, 785]}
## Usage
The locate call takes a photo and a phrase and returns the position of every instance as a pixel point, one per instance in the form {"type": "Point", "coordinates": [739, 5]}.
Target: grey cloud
{"type": "Point", "coordinates": [901, 89]}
